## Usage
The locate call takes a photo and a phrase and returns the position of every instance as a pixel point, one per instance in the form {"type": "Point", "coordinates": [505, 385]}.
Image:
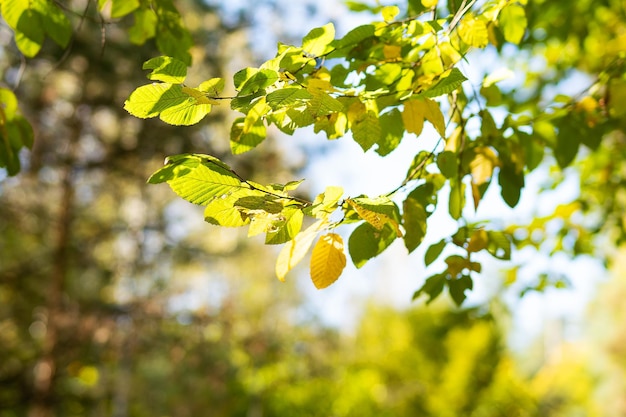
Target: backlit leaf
{"type": "Point", "coordinates": [174, 104]}
{"type": "Point", "coordinates": [287, 97]}
{"type": "Point", "coordinates": [213, 86]}
{"type": "Point", "coordinates": [473, 31]}
{"type": "Point", "coordinates": [355, 36]}
{"type": "Point", "coordinates": [144, 27]}
{"type": "Point", "coordinates": [389, 13]}
{"type": "Point", "coordinates": [412, 117]}
{"type": "Point", "coordinates": [198, 179]}
{"type": "Point", "coordinates": [375, 218]}
{"type": "Point", "coordinates": [366, 131]}
{"type": "Point", "coordinates": [416, 110]}
{"type": "Point", "coordinates": [244, 140]}
{"type": "Point", "coordinates": [482, 166]}
{"type": "Point", "coordinates": [222, 211]}
{"type": "Point", "coordinates": [166, 69]}
{"type": "Point", "coordinates": [327, 260]}
{"type": "Point", "coordinates": [446, 85]}
{"type": "Point", "coordinates": [317, 41]}
{"type": "Point", "coordinates": [457, 199]}
{"type": "Point", "coordinates": [120, 8]}
{"type": "Point", "coordinates": [392, 131]}
{"type": "Point", "coordinates": [512, 21]}
{"type": "Point", "coordinates": [286, 228]}
{"type": "Point", "coordinates": [293, 251]}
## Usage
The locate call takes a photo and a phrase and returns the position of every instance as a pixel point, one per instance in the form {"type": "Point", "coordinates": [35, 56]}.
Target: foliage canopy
{"type": "Point", "coordinates": [378, 84]}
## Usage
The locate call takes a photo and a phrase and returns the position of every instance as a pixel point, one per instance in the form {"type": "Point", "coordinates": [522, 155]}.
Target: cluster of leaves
{"type": "Point", "coordinates": [15, 132]}
{"type": "Point", "coordinates": [378, 82]}
{"type": "Point", "coordinates": [33, 21]}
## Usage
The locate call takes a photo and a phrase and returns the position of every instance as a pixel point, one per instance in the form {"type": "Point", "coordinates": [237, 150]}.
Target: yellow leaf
{"type": "Point", "coordinates": [327, 260]}
{"type": "Point", "coordinates": [378, 220]}
{"type": "Point", "coordinates": [433, 114]}
{"type": "Point", "coordinates": [260, 109]}
{"type": "Point", "coordinates": [473, 32]}
{"type": "Point", "coordinates": [412, 117]}
{"type": "Point", "coordinates": [294, 250]}
{"type": "Point", "coordinates": [483, 164]}
{"type": "Point", "coordinates": [478, 241]}
{"type": "Point", "coordinates": [453, 142]}
{"type": "Point", "coordinates": [356, 112]}
{"type": "Point", "coordinates": [198, 95]}
{"type": "Point", "coordinates": [415, 111]}
{"type": "Point", "coordinates": [429, 3]}
{"type": "Point", "coordinates": [392, 51]}
{"type": "Point", "coordinates": [390, 12]}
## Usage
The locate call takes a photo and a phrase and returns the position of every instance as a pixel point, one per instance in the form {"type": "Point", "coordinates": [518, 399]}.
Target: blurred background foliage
{"type": "Point", "coordinates": [114, 303]}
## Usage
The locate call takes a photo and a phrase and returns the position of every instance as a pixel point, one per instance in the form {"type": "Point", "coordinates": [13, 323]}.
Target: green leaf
{"type": "Point", "coordinates": [447, 162]}
{"type": "Point", "coordinates": [172, 38]}
{"type": "Point", "coordinates": [173, 103]}
{"type": "Point", "coordinates": [166, 69]}
{"type": "Point", "coordinates": [286, 97]}
{"type": "Point", "coordinates": [366, 131]}
{"type": "Point", "coordinates": [568, 140]}
{"type": "Point", "coordinates": [286, 228]}
{"type": "Point", "coordinates": [28, 26]}
{"type": "Point", "coordinates": [317, 41]}
{"type": "Point", "coordinates": [212, 86]}
{"type": "Point", "coordinates": [421, 160]}
{"type": "Point", "coordinates": [511, 183]}
{"type": "Point", "coordinates": [25, 130]}
{"type": "Point", "coordinates": [356, 35]}
{"type": "Point", "coordinates": [446, 85]}
{"type": "Point", "coordinates": [245, 138]}
{"type": "Point", "coordinates": [15, 132]}
{"type": "Point", "coordinates": [33, 20]}
{"type": "Point", "coordinates": [378, 212]}
{"type": "Point", "coordinates": [120, 8]}
{"type": "Point", "coordinates": [433, 287]}
{"type": "Point", "coordinates": [222, 211]}
{"type": "Point", "coordinates": [499, 245]}
{"type": "Point", "coordinates": [199, 179]}
{"type": "Point", "coordinates": [144, 27]}
{"type": "Point", "coordinates": [457, 199]}
{"type": "Point", "coordinates": [325, 203]}
{"type": "Point", "coordinates": [458, 287]}
{"type": "Point", "coordinates": [414, 217]}
{"type": "Point", "coordinates": [433, 252]}
{"type": "Point", "coordinates": [366, 242]}
{"type": "Point", "coordinates": [512, 21]}
{"type": "Point", "coordinates": [334, 124]}
{"type": "Point", "coordinates": [55, 23]}
{"type": "Point", "coordinates": [392, 131]}
{"type": "Point", "coordinates": [8, 103]}
{"type": "Point", "coordinates": [258, 81]}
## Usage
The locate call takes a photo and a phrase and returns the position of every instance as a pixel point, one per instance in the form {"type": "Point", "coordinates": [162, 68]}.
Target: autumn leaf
{"type": "Point", "coordinates": [327, 260]}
